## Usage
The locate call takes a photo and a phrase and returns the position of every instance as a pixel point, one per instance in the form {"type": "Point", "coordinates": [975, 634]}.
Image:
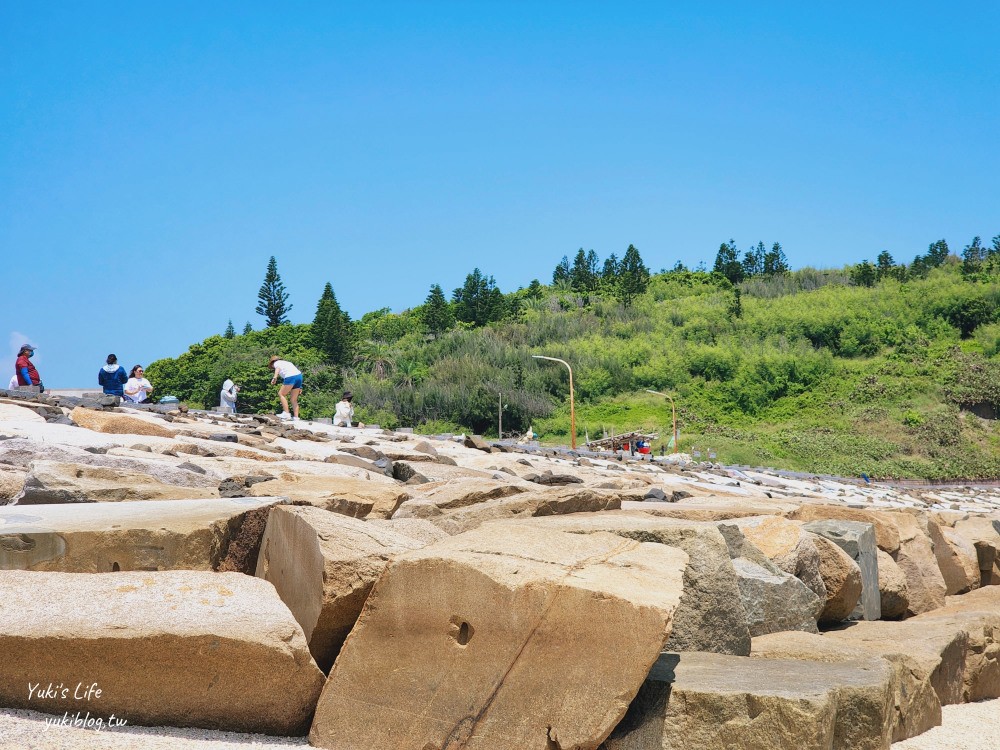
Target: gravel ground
{"type": "Point", "coordinates": [27, 730]}
{"type": "Point", "coordinates": [968, 726]}
{"type": "Point", "coordinates": [971, 726]}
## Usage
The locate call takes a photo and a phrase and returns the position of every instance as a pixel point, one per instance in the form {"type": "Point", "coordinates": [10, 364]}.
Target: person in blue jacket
{"type": "Point", "coordinates": [112, 377]}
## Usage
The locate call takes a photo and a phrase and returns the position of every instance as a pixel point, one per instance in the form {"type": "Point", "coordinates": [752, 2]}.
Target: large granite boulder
{"type": "Point", "coordinates": [925, 586]}
{"type": "Point", "coordinates": [176, 648]}
{"type": "Point", "coordinates": [772, 599]}
{"type": "Point", "coordinates": [719, 702]}
{"type": "Point", "coordinates": [857, 539]}
{"type": "Point", "coordinates": [710, 616]}
{"type": "Point", "coordinates": [436, 498]}
{"type": "Point", "coordinates": [788, 546]}
{"type": "Point", "coordinates": [842, 578]}
{"type": "Point", "coordinates": [323, 565]}
{"type": "Point", "coordinates": [50, 482]}
{"type": "Point", "coordinates": [915, 706]}
{"type": "Point", "coordinates": [710, 508]}
{"type": "Point", "coordinates": [105, 537]}
{"type": "Point", "coordinates": [956, 557]}
{"type": "Point", "coordinates": [894, 601]}
{"type": "Point", "coordinates": [978, 614]}
{"type": "Point", "coordinates": [984, 533]}
{"type": "Point", "coordinates": [503, 638]}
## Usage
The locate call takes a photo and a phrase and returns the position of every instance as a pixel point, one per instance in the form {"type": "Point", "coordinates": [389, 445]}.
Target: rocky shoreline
{"type": "Point", "coordinates": [397, 590]}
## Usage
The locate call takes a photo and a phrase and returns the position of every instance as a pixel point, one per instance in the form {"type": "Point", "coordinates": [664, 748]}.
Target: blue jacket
{"type": "Point", "coordinates": [113, 381]}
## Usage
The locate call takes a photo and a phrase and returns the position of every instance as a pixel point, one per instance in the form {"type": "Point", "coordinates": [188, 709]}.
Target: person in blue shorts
{"type": "Point", "coordinates": [291, 385]}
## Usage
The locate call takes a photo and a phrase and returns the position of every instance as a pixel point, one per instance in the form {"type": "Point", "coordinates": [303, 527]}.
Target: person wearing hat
{"type": "Point", "coordinates": [344, 415]}
{"type": "Point", "coordinates": [291, 384]}
{"type": "Point", "coordinates": [25, 371]}
{"type": "Point", "coordinates": [112, 377]}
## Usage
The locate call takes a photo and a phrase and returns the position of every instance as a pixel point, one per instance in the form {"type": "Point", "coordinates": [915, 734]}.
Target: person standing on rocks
{"type": "Point", "coordinates": [137, 389]}
{"type": "Point", "coordinates": [25, 371]}
{"type": "Point", "coordinates": [227, 397]}
{"type": "Point", "coordinates": [112, 377]}
{"type": "Point", "coordinates": [291, 384]}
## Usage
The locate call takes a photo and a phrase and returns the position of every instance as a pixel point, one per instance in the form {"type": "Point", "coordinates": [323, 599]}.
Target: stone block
{"type": "Point", "coordinates": [106, 537]}
{"type": "Point", "coordinates": [176, 648]}
{"type": "Point", "coordinates": [842, 578]}
{"type": "Point", "coordinates": [503, 638]}
{"type": "Point", "coordinates": [323, 565]}
{"type": "Point", "coordinates": [857, 540]}
{"type": "Point", "coordinates": [956, 557]}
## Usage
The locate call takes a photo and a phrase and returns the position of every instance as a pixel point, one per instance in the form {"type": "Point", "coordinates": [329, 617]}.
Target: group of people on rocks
{"type": "Point", "coordinates": [134, 388]}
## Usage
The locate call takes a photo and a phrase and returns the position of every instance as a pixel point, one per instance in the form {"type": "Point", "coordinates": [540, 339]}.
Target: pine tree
{"type": "Point", "coordinates": [272, 300]}
{"type": "Point", "coordinates": [478, 301]}
{"type": "Point", "coordinates": [884, 264]}
{"type": "Point", "coordinates": [247, 328]}
{"type": "Point", "coordinates": [610, 271]}
{"type": "Point", "coordinates": [562, 272]}
{"type": "Point", "coordinates": [727, 262]}
{"type": "Point", "coordinates": [583, 274]}
{"type": "Point", "coordinates": [753, 261]}
{"type": "Point", "coordinates": [633, 276]}
{"type": "Point", "coordinates": [936, 253]}
{"type": "Point", "coordinates": [230, 331]}
{"type": "Point", "coordinates": [775, 262]}
{"type": "Point", "coordinates": [973, 256]}
{"type": "Point", "coordinates": [436, 313]}
{"type": "Point", "coordinates": [331, 329]}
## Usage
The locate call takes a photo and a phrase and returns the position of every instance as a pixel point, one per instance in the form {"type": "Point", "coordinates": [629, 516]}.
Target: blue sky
{"type": "Point", "coordinates": [154, 156]}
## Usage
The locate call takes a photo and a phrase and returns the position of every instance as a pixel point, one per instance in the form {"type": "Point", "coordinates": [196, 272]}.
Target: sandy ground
{"type": "Point", "coordinates": [973, 726]}
{"type": "Point", "coordinates": [969, 726]}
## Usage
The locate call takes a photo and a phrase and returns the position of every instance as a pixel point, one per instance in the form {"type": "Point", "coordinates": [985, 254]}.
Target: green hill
{"type": "Point", "coordinates": [887, 370]}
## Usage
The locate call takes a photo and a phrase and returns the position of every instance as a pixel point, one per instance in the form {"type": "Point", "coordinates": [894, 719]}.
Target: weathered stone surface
{"type": "Point", "coordinates": [915, 706]}
{"type": "Point", "coordinates": [984, 533]}
{"type": "Point", "coordinates": [323, 565]}
{"type": "Point", "coordinates": [857, 539]}
{"type": "Point", "coordinates": [720, 702]}
{"type": "Point", "coordinates": [772, 599]}
{"type": "Point", "coordinates": [925, 585]}
{"type": "Point", "coordinates": [957, 559]}
{"type": "Point", "coordinates": [513, 637]}
{"type": "Point", "coordinates": [350, 496]}
{"type": "Point", "coordinates": [710, 616]}
{"type": "Point", "coordinates": [842, 578]}
{"type": "Point", "coordinates": [51, 482]}
{"type": "Point", "coordinates": [707, 509]}
{"type": "Point", "coordinates": [457, 493]}
{"type": "Point", "coordinates": [105, 537]}
{"type": "Point", "coordinates": [893, 595]}
{"type": "Point", "coordinates": [180, 648]}
{"type": "Point", "coordinates": [526, 505]}
{"type": "Point", "coordinates": [886, 531]}
{"type": "Point", "coordinates": [787, 546]}
{"type": "Point", "coordinates": [934, 652]}
{"type": "Point", "coordinates": [118, 424]}
{"type": "Point", "coordinates": [978, 614]}
{"type": "Point", "coordinates": [415, 528]}
{"type": "Point", "coordinates": [11, 483]}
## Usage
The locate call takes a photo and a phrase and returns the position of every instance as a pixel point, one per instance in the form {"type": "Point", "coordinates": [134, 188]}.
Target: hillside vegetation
{"type": "Point", "coordinates": [889, 370]}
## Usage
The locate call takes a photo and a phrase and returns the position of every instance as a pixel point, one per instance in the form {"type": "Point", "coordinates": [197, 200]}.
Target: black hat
{"type": "Point", "coordinates": [348, 396]}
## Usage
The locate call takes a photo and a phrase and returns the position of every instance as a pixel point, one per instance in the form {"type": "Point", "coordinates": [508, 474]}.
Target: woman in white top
{"type": "Point", "coordinates": [344, 415]}
{"type": "Point", "coordinates": [137, 389]}
{"type": "Point", "coordinates": [227, 397]}
{"type": "Point", "coordinates": [291, 383]}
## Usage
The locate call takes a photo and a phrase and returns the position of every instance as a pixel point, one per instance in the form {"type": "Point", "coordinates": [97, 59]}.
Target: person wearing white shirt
{"type": "Point", "coordinates": [291, 385]}
{"type": "Point", "coordinates": [137, 389]}
{"type": "Point", "coordinates": [227, 397]}
{"type": "Point", "coordinates": [344, 415]}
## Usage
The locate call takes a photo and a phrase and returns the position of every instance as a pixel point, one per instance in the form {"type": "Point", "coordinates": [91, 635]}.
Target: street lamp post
{"type": "Point", "coordinates": [572, 412]}
{"type": "Point", "coordinates": [673, 409]}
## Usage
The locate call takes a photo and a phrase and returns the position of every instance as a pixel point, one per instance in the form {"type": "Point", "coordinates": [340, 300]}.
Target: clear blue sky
{"type": "Point", "coordinates": [153, 156]}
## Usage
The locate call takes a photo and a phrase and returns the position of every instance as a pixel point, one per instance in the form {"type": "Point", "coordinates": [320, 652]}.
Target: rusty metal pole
{"type": "Point", "coordinates": [572, 409]}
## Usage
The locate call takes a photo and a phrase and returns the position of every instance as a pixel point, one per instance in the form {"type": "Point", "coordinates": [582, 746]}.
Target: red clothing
{"type": "Point", "coordinates": [21, 363]}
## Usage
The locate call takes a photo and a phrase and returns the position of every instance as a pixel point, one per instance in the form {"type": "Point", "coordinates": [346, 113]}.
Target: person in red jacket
{"type": "Point", "coordinates": [25, 371]}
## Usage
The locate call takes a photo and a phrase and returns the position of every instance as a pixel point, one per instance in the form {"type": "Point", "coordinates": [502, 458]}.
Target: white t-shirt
{"type": "Point", "coordinates": [136, 390]}
{"type": "Point", "coordinates": [12, 384]}
{"type": "Point", "coordinates": [344, 414]}
{"type": "Point", "coordinates": [285, 369]}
